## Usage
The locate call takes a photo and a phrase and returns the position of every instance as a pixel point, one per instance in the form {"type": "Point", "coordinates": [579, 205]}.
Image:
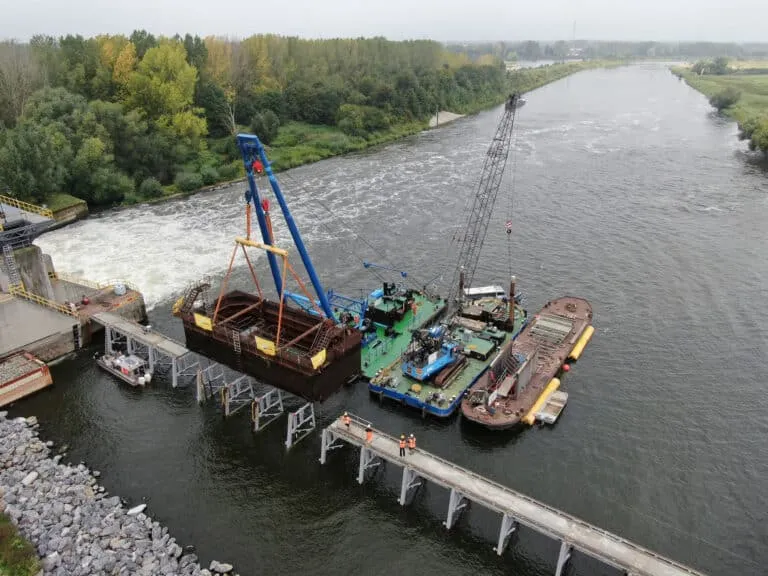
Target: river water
{"type": "Point", "coordinates": [627, 191]}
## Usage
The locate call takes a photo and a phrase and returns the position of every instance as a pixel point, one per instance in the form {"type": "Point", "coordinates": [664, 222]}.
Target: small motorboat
{"type": "Point", "coordinates": [128, 367]}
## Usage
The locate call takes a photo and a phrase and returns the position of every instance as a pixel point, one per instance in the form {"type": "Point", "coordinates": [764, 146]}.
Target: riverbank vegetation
{"type": "Point", "coordinates": [737, 91]}
{"type": "Point", "coordinates": [17, 556]}
{"type": "Point", "coordinates": [595, 49]}
{"type": "Point", "coordinates": [116, 119]}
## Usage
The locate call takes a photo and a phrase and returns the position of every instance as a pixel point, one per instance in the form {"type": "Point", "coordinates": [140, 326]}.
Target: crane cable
{"type": "Point", "coordinates": [511, 204]}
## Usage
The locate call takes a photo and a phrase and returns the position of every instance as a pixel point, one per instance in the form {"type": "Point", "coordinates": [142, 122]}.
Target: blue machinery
{"type": "Point", "coordinates": [255, 159]}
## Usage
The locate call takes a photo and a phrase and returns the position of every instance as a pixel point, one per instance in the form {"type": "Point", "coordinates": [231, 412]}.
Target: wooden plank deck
{"type": "Point", "coordinates": [571, 531]}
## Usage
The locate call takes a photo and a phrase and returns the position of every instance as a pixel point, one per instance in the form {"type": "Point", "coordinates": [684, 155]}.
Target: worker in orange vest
{"type": "Point", "coordinates": [346, 419]}
{"type": "Point", "coordinates": [411, 443]}
{"type": "Point", "coordinates": [368, 434]}
{"type": "Point", "coordinates": [402, 445]}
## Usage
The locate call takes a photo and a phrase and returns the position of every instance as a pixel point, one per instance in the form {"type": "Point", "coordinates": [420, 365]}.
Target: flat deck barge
{"type": "Point", "coordinates": [476, 344]}
{"type": "Point", "coordinates": [388, 338]}
{"type": "Point", "coordinates": [526, 373]}
{"type": "Point", "coordinates": [21, 374]}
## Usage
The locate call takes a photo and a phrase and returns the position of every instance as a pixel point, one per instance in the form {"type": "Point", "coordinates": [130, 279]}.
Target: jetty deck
{"type": "Point", "coordinates": [136, 331]}
{"type": "Point", "coordinates": [516, 508]}
{"type": "Point", "coordinates": [154, 347]}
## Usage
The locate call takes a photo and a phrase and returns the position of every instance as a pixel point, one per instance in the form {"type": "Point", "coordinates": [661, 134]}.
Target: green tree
{"type": "Point", "coordinates": [265, 125]}
{"type": "Point", "coordinates": [35, 162]}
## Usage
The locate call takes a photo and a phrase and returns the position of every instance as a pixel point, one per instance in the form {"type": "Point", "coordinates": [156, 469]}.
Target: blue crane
{"type": "Point", "coordinates": [255, 160]}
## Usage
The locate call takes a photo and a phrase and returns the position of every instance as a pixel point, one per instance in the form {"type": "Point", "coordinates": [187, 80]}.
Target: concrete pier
{"type": "Point", "coordinates": [516, 509]}
{"type": "Point", "coordinates": [43, 313]}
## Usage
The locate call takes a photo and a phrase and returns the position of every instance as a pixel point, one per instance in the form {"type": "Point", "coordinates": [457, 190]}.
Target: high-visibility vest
{"type": "Point", "coordinates": [402, 443]}
{"type": "Point", "coordinates": [411, 442]}
{"type": "Point", "coordinates": [347, 420]}
{"type": "Point", "coordinates": [369, 435]}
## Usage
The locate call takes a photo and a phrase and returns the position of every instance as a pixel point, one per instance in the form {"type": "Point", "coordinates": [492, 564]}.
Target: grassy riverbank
{"type": "Point", "coordinates": [299, 143]}
{"type": "Point", "coordinates": [750, 91]}
{"type": "Point", "coordinates": [17, 556]}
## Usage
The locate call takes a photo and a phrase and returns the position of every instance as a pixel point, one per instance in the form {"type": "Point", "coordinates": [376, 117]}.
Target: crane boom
{"type": "Point", "coordinates": [476, 228]}
{"type": "Point", "coordinates": [252, 151]}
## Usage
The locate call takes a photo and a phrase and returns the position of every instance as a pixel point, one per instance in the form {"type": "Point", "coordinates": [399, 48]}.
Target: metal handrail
{"type": "Point", "coordinates": [20, 291]}
{"type": "Point", "coordinates": [26, 206]}
{"type": "Point", "coordinates": [582, 523]}
{"type": "Point", "coordinates": [91, 284]}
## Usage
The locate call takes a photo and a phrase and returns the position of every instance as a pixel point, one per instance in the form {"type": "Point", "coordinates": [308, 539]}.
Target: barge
{"type": "Point", "coordinates": [525, 374]}
{"type": "Point", "coordinates": [22, 374]}
{"type": "Point", "coordinates": [442, 361]}
{"type": "Point", "coordinates": [391, 316]}
{"type": "Point", "coordinates": [307, 344]}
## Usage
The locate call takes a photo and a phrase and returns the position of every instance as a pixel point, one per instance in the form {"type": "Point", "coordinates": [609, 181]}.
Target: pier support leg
{"type": "Point", "coordinates": [108, 340]}
{"type": "Point", "coordinates": [367, 460]}
{"type": "Point", "coordinates": [266, 408]}
{"type": "Point", "coordinates": [508, 527]}
{"type": "Point", "coordinates": [300, 424]}
{"type": "Point", "coordinates": [329, 442]}
{"type": "Point", "coordinates": [563, 557]}
{"type": "Point", "coordinates": [456, 504]}
{"type": "Point", "coordinates": [410, 480]}
{"type": "Point", "coordinates": [174, 373]}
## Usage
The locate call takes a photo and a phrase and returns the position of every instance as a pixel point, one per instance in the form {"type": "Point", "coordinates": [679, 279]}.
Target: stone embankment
{"type": "Point", "coordinates": [76, 527]}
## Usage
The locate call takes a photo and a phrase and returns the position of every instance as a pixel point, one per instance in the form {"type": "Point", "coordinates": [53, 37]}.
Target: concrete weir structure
{"type": "Point", "coordinates": [42, 312]}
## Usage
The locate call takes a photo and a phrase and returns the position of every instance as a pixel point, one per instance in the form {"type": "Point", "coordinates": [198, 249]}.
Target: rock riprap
{"type": "Point", "coordinates": [77, 528]}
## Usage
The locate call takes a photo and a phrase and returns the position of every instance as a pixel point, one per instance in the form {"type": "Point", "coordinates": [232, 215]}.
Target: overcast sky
{"type": "Point", "coordinates": [716, 20]}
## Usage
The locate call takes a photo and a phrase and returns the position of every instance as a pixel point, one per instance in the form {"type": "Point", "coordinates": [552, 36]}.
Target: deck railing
{"type": "Point", "coordinates": [90, 283]}
{"type": "Point", "coordinates": [21, 292]}
{"type": "Point", "coordinates": [26, 206]}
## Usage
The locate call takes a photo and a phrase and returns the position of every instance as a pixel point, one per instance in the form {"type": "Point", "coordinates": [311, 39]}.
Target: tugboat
{"type": "Point", "coordinates": [521, 385]}
{"type": "Point", "coordinates": [128, 367]}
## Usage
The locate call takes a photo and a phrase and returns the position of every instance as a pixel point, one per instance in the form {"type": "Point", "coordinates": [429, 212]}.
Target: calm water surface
{"type": "Point", "coordinates": [627, 191]}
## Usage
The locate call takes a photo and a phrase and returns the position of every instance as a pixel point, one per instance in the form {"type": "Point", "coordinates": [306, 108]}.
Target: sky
{"type": "Point", "coordinates": [443, 20]}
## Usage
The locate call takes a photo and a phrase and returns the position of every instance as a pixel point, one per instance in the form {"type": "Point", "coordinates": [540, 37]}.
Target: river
{"type": "Point", "coordinates": [628, 191]}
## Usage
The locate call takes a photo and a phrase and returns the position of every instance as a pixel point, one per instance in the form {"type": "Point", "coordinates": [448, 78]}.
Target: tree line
{"type": "Point", "coordinates": [117, 118]}
{"type": "Point", "coordinates": [561, 50]}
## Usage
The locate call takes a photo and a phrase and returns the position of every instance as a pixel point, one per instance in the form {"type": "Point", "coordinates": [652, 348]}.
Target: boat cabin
{"type": "Point", "coordinates": [130, 368]}
{"type": "Point", "coordinates": [484, 292]}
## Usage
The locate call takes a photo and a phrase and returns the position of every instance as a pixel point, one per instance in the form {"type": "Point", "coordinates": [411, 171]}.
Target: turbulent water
{"type": "Point", "coordinates": [628, 191]}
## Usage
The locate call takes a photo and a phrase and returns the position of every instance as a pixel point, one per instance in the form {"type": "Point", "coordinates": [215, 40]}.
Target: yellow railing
{"type": "Point", "coordinates": [21, 292]}
{"type": "Point", "coordinates": [26, 206]}
{"type": "Point", "coordinates": [90, 283]}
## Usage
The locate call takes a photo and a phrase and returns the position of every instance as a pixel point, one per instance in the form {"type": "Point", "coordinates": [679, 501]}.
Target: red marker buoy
{"type": "Point", "coordinates": [566, 367]}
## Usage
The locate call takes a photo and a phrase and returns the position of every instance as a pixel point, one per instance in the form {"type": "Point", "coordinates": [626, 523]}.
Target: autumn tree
{"type": "Point", "coordinates": [19, 77]}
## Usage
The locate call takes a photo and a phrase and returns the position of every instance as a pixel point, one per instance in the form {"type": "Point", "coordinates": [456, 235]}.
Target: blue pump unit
{"type": "Point", "coordinates": [447, 355]}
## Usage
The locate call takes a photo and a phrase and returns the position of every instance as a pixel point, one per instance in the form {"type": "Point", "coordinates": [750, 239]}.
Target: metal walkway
{"type": "Point", "coordinates": [516, 508]}
{"type": "Point", "coordinates": [22, 222]}
{"type": "Point", "coordinates": [159, 350]}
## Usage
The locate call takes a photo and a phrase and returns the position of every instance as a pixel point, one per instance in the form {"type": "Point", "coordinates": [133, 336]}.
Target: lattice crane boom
{"type": "Point", "coordinates": [476, 228]}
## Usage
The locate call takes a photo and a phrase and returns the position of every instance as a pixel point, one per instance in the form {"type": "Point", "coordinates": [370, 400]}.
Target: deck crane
{"type": "Point", "coordinates": [471, 242]}
{"type": "Point", "coordinates": [255, 160]}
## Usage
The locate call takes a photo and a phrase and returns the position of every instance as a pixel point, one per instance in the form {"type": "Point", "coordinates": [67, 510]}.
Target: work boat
{"type": "Point", "coordinates": [521, 386]}
{"type": "Point", "coordinates": [128, 367]}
